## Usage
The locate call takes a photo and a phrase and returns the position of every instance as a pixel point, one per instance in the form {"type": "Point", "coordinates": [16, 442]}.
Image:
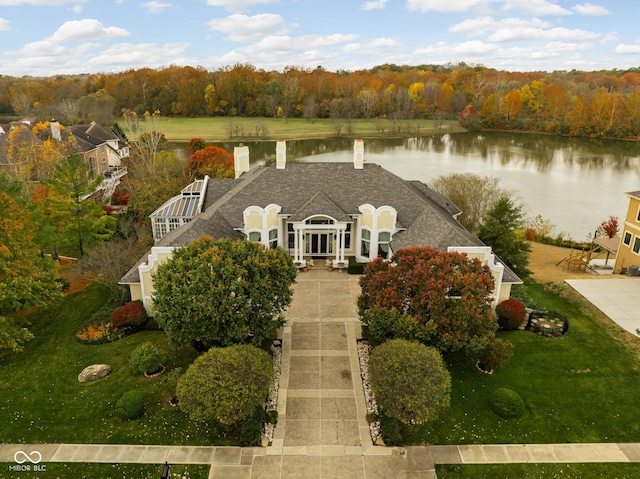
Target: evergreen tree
{"type": "Point", "coordinates": [499, 229]}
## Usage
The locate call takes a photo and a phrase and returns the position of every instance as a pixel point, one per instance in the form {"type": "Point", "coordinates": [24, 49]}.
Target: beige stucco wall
{"type": "Point", "coordinates": [366, 219]}
{"type": "Point", "coordinates": [147, 277]}
{"type": "Point", "coordinates": [136, 292]}
{"type": "Point", "coordinates": [253, 221]}
{"type": "Point", "coordinates": [386, 221]}
{"type": "Point", "coordinates": [272, 220]}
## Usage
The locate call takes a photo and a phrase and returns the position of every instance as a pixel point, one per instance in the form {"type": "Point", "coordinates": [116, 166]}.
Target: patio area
{"type": "Point", "coordinates": [617, 297]}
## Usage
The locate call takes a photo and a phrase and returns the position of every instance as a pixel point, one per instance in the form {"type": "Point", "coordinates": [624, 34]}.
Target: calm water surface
{"type": "Point", "coordinates": [576, 183]}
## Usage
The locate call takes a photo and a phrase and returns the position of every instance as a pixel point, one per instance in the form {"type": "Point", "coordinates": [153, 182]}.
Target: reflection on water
{"type": "Point", "coordinates": [575, 182]}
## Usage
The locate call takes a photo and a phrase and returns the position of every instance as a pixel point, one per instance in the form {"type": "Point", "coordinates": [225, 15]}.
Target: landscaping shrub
{"type": "Point", "coordinates": [496, 354]}
{"type": "Point", "coordinates": [147, 358]}
{"type": "Point", "coordinates": [409, 380]}
{"type": "Point", "coordinates": [511, 314]}
{"type": "Point", "coordinates": [118, 198]}
{"type": "Point", "coordinates": [384, 325]}
{"type": "Point", "coordinates": [507, 403]}
{"type": "Point", "coordinates": [226, 384]}
{"type": "Point", "coordinates": [390, 430]}
{"type": "Point", "coordinates": [98, 334]}
{"type": "Point", "coordinates": [131, 314]}
{"type": "Point", "coordinates": [252, 428]}
{"type": "Point", "coordinates": [130, 405]}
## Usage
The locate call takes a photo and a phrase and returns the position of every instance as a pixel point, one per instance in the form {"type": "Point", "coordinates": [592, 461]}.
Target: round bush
{"type": "Point", "coordinates": [511, 314]}
{"type": "Point", "coordinates": [409, 380]}
{"type": "Point", "coordinates": [507, 403]}
{"type": "Point", "coordinates": [496, 354]}
{"type": "Point", "coordinates": [147, 358]}
{"type": "Point", "coordinates": [130, 405]}
{"type": "Point", "coordinates": [131, 314]}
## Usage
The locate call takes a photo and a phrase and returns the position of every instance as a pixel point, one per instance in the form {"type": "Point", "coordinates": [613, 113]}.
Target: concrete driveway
{"type": "Point", "coordinates": [619, 299]}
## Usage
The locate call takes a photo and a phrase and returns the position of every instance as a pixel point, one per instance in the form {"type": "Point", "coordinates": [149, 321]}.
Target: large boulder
{"type": "Point", "coordinates": [93, 372]}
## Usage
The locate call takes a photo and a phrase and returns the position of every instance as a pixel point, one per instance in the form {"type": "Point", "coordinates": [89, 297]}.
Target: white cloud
{"type": "Point", "coordinates": [155, 6]}
{"type": "Point", "coordinates": [475, 48]}
{"type": "Point", "coordinates": [241, 28]}
{"type": "Point", "coordinates": [626, 49]}
{"type": "Point", "coordinates": [237, 5]}
{"type": "Point", "coordinates": [45, 3]}
{"type": "Point", "coordinates": [4, 24]}
{"type": "Point", "coordinates": [127, 55]}
{"type": "Point", "coordinates": [375, 46]}
{"type": "Point", "coordinates": [552, 34]}
{"type": "Point", "coordinates": [40, 48]}
{"type": "Point", "coordinates": [590, 9]}
{"type": "Point", "coordinates": [77, 9]}
{"type": "Point", "coordinates": [85, 30]}
{"type": "Point", "coordinates": [302, 43]}
{"type": "Point", "coordinates": [483, 25]}
{"type": "Point", "coordinates": [445, 5]}
{"type": "Point", "coordinates": [374, 5]}
{"type": "Point", "coordinates": [536, 7]}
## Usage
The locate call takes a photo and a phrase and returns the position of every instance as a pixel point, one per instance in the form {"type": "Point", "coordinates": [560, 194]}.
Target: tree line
{"type": "Point", "coordinates": [598, 104]}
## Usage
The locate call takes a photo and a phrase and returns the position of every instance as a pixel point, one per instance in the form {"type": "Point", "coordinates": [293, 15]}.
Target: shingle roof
{"type": "Point", "coordinates": [635, 194]}
{"type": "Point", "coordinates": [337, 189]}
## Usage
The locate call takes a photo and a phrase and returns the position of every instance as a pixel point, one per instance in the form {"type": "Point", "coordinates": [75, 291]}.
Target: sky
{"type": "Point", "coordinates": [59, 37]}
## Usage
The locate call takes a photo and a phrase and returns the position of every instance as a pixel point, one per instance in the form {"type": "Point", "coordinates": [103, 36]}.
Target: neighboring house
{"type": "Point", "coordinates": [628, 255]}
{"type": "Point", "coordinates": [102, 149]}
{"type": "Point", "coordinates": [321, 211]}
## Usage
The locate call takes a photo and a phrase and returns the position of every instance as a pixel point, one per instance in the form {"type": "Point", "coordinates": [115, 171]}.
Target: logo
{"type": "Point", "coordinates": [21, 457]}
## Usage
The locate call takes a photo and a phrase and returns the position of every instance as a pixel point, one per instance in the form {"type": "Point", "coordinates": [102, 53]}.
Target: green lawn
{"type": "Point", "coordinates": [218, 129]}
{"type": "Point", "coordinates": [41, 399]}
{"type": "Point", "coordinates": [582, 387]}
{"type": "Point", "coordinates": [540, 471]}
{"type": "Point", "coordinates": [106, 471]}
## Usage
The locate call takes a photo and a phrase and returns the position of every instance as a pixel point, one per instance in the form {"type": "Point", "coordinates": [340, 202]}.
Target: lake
{"type": "Point", "coordinates": [574, 182]}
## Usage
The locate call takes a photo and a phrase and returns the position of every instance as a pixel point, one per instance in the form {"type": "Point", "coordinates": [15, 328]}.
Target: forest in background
{"type": "Point", "coordinates": [604, 104]}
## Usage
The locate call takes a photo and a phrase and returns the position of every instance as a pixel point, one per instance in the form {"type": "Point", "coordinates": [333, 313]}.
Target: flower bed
{"type": "Point", "coordinates": [98, 334]}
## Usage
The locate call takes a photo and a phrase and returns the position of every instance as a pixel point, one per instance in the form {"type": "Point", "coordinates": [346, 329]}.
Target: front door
{"type": "Point", "coordinates": [319, 243]}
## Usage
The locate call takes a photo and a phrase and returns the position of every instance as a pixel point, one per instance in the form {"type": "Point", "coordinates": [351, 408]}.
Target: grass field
{"type": "Point", "coordinates": [178, 129]}
{"type": "Point", "coordinates": [582, 387]}
{"type": "Point", "coordinates": [41, 399]}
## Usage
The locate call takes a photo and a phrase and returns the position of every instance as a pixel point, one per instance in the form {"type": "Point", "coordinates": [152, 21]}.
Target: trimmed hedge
{"type": "Point", "coordinates": [496, 354]}
{"type": "Point", "coordinates": [131, 314]}
{"type": "Point", "coordinates": [130, 405]}
{"type": "Point", "coordinates": [511, 314]}
{"type": "Point", "coordinates": [147, 358]}
{"type": "Point", "coordinates": [507, 403]}
{"type": "Point", "coordinates": [390, 430]}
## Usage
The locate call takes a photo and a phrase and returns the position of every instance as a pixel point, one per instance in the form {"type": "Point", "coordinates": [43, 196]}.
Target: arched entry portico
{"type": "Point", "coordinates": [320, 236]}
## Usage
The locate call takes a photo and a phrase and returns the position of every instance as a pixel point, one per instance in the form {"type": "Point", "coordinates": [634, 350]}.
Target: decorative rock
{"type": "Point", "coordinates": [93, 372]}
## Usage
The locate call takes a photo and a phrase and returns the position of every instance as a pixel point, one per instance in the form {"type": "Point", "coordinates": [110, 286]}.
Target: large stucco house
{"type": "Point", "coordinates": [327, 212]}
{"type": "Point", "coordinates": [628, 254]}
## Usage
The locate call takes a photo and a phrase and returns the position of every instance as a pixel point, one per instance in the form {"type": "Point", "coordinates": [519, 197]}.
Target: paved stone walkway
{"type": "Point", "coordinates": [322, 430]}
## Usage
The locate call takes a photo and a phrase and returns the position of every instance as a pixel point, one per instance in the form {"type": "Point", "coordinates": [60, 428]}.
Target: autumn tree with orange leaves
{"type": "Point", "coordinates": [27, 280]}
{"type": "Point", "coordinates": [443, 299]}
{"type": "Point", "coordinates": [213, 161]}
